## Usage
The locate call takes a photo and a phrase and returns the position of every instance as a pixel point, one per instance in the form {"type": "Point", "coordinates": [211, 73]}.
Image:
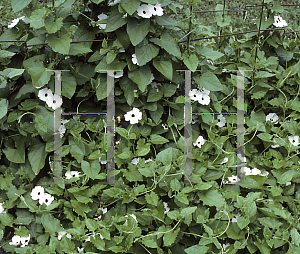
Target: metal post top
{"type": "Point", "coordinates": [58, 70]}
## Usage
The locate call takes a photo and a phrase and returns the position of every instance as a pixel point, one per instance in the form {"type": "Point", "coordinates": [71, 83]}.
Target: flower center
{"type": "Point", "coordinates": [38, 193]}
{"type": "Point", "coordinates": [132, 115]}
{"type": "Point", "coordinates": [46, 200]}
{"type": "Point", "coordinates": [144, 12]}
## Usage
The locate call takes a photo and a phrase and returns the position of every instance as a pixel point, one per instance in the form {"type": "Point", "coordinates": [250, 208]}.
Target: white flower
{"type": "Point", "coordinates": [294, 140]}
{"type": "Point", "coordinates": [157, 10]}
{"type": "Point", "coordinates": [2, 209]}
{"type": "Point", "coordinates": [117, 75]}
{"type": "Point", "coordinates": [134, 59]}
{"type": "Point", "coordinates": [61, 130]}
{"type": "Point", "coordinates": [234, 219]}
{"type": "Point", "coordinates": [45, 94]}
{"type": "Point", "coordinates": [165, 126]}
{"type": "Point", "coordinates": [133, 116]}
{"type": "Point", "coordinates": [243, 159]}
{"type": "Point", "coordinates": [46, 199]}
{"type": "Point", "coordinates": [279, 22]}
{"type": "Point", "coordinates": [210, 62]}
{"type": "Point", "coordinates": [222, 121]}
{"type": "Point", "coordinates": [266, 173]}
{"type": "Point", "coordinates": [255, 171]}
{"type": "Point", "coordinates": [55, 101]}
{"type": "Point", "coordinates": [272, 117]}
{"type": "Point", "coordinates": [102, 17]}
{"type": "Point", "coordinates": [15, 22]}
{"type": "Point", "coordinates": [167, 209]}
{"type": "Point", "coordinates": [195, 95]}
{"type": "Point", "coordinates": [70, 174]}
{"type": "Point", "coordinates": [204, 99]}
{"type": "Point", "coordinates": [62, 233]}
{"type": "Point", "coordinates": [37, 192]}
{"type": "Point", "coordinates": [226, 245]}
{"type": "Point", "coordinates": [133, 216]}
{"type": "Point", "coordinates": [288, 183]}
{"type": "Point", "coordinates": [122, 49]}
{"type": "Point", "coordinates": [25, 241]}
{"type": "Point", "coordinates": [145, 11]}
{"type": "Point", "coordinates": [247, 171]}
{"type": "Point", "coordinates": [80, 249]}
{"type": "Point", "coordinates": [151, 79]}
{"type": "Point", "coordinates": [200, 141]}
{"type": "Point", "coordinates": [75, 118]}
{"type": "Point", "coordinates": [203, 90]}
{"type": "Point", "coordinates": [224, 70]}
{"type": "Point", "coordinates": [155, 85]}
{"type": "Point", "coordinates": [224, 161]}
{"type": "Point", "coordinates": [104, 210]}
{"type": "Point", "coordinates": [16, 240]}
{"type": "Point", "coordinates": [114, 2]}
{"type": "Point", "coordinates": [146, 161]}
{"type": "Point", "coordinates": [232, 179]}
{"type": "Point", "coordinates": [135, 161]}
{"type": "Point", "coordinates": [242, 52]}
{"type": "Point", "coordinates": [102, 162]}
{"type": "Point", "coordinates": [275, 146]}
{"type": "Point", "coordinates": [93, 235]}
{"type": "Point", "coordinates": [64, 121]}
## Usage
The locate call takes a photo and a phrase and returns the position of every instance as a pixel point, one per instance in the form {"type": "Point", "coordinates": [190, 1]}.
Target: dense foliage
{"type": "Point", "coordinates": [151, 212]}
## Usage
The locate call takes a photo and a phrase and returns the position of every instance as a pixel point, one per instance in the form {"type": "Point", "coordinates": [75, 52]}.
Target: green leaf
{"type": "Point", "coordinates": [18, 5]}
{"type": "Point", "coordinates": [223, 21]}
{"type": "Point", "coordinates": [37, 18]}
{"type": "Point", "coordinates": [182, 198]}
{"type": "Point", "coordinates": [213, 55]}
{"type": "Point", "coordinates": [39, 76]}
{"type": "Point", "coordinates": [270, 222]}
{"type": "Point", "coordinates": [174, 215]}
{"type": "Point", "coordinates": [243, 222]}
{"type": "Point", "coordinates": [146, 172]}
{"type": "Point", "coordinates": [60, 42]}
{"type": "Point", "coordinates": [16, 155]}
{"type": "Point", "coordinates": [263, 74]}
{"type": "Point", "coordinates": [153, 95]}
{"type": "Point", "coordinates": [265, 137]}
{"type": "Point", "coordinates": [69, 84]}
{"type": "Point", "coordinates": [130, 6]}
{"type": "Point", "coordinates": [52, 25]}
{"type": "Point", "coordinates": [123, 132]}
{"type": "Point", "coordinates": [95, 155]}
{"type": "Point", "coordinates": [67, 245]}
{"type": "Point", "coordinates": [143, 150]}
{"type": "Point", "coordinates": [196, 249]}
{"type": "Point", "coordinates": [3, 108]}
{"type": "Point", "coordinates": [51, 224]}
{"type": "Point", "coordinates": [5, 54]}
{"type": "Point", "coordinates": [6, 219]}
{"type": "Point", "coordinates": [79, 49]}
{"type": "Point", "coordinates": [209, 81]}
{"type": "Point", "coordinates": [77, 149]}
{"type": "Point", "coordinates": [91, 170]}
{"type": "Point", "coordinates": [168, 43]}
{"type": "Point", "coordinates": [170, 237]}
{"type": "Point", "coordinates": [187, 211]}
{"type": "Point", "coordinates": [12, 72]}
{"type": "Point", "coordinates": [145, 52]}
{"type": "Point", "coordinates": [39, 119]}
{"type": "Point", "coordinates": [212, 198]}
{"type": "Point", "coordinates": [164, 67]}
{"type": "Point", "coordinates": [157, 139]}
{"type": "Point", "coordinates": [190, 60]}
{"type": "Point", "coordinates": [283, 176]}
{"type": "Point", "coordinates": [165, 156]}
{"type": "Point", "coordinates": [37, 156]}
{"type": "Point", "coordinates": [169, 89]}
{"type": "Point", "coordinates": [152, 198]}
{"type": "Point", "coordinates": [141, 77]}
{"type": "Point", "coordinates": [137, 29]}
{"type": "Point", "coordinates": [156, 115]}
{"type": "Point", "coordinates": [125, 155]}
{"type": "Point", "coordinates": [295, 237]}
{"type": "Point", "coordinates": [114, 21]}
